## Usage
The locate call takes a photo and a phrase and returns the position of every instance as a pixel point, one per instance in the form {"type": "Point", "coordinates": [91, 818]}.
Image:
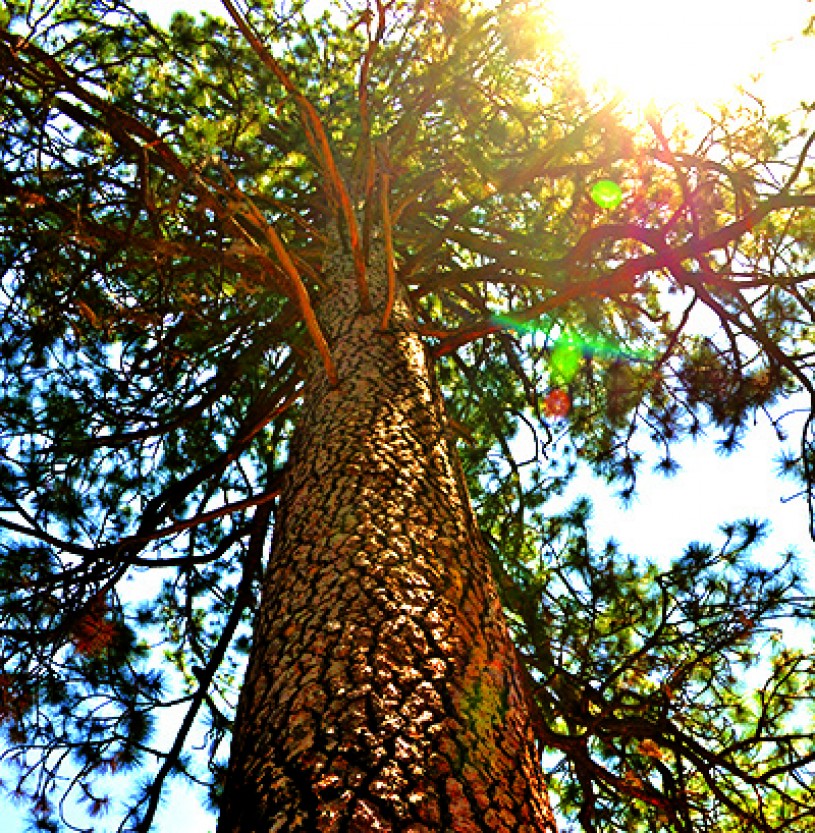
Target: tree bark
{"type": "Point", "coordinates": [382, 691]}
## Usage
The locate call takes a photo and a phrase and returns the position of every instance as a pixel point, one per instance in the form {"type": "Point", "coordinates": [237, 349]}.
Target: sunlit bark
{"type": "Point", "coordinates": [382, 691]}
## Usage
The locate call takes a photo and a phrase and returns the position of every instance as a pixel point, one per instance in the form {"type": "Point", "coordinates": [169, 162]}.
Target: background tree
{"type": "Point", "coordinates": [167, 199]}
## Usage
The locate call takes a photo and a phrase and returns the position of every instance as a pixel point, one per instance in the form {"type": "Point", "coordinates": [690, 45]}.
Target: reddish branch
{"type": "Point", "coordinates": [389, 255]}
{"type": "Point", "coordinates": [622, 279]}
{"type": "Point", "coordinates": [318, 140]}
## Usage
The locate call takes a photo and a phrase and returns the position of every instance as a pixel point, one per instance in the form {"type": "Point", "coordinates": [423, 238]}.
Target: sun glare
{"type": "Point", "coordinates": [685, 52]}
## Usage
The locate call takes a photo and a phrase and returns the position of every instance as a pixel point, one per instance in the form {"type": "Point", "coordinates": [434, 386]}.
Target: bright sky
{"type": "Point", "coordinates": [693, 50]}
{"type": "Point", "coordinates": [673, 53]}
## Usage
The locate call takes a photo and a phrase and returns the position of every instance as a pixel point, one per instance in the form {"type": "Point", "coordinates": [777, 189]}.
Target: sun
{"type": "Point", "coordinates": [676, 52]}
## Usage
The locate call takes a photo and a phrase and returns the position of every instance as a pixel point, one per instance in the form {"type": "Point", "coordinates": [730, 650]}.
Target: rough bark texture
{"type": "Point", "coordinates": [382, 692]}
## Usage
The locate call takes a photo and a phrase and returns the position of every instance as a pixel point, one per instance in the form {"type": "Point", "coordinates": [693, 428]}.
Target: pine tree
{"type": "Point", "coordinates": [281, 293]}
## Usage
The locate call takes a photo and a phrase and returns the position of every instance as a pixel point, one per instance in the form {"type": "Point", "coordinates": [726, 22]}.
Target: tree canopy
{"type": "Point", "coordinates": [165, 202]}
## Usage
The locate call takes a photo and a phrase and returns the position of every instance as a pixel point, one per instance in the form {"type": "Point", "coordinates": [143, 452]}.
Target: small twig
{"type": "Point", "coordinates": [204, 517]}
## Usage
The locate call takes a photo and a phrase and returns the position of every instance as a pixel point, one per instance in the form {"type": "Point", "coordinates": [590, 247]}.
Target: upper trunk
{"type": "Point", "coordinates": [382, 691]}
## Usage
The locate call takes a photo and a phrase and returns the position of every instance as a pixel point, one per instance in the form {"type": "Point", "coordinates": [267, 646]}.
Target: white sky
{"type": "Point", "coordinates": [693, 50]}
{"type": "Point", "coordinates": [709, 490]}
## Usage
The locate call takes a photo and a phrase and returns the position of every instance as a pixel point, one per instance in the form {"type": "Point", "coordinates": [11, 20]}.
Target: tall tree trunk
{"type": "Point", "coordinates": [382, 692]}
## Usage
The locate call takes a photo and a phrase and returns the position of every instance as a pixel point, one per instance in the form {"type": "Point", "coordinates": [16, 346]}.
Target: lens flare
{"type": "Point", "coordinates": [565, 359]}
{"type": "Point", "coordinates": [571, 347]}
{"type": "Point", "coordinates": [607, 194]}
{"type": "Point", "coordinates": [557, 403]}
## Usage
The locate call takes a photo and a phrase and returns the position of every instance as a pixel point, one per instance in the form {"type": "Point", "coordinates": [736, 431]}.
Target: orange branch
{"type": "Point", "coordinates": [318, 139]}
{"type": "Point", "coordinates": [300, 292]}
{"type": "Point", "coordinates": [389, 257]}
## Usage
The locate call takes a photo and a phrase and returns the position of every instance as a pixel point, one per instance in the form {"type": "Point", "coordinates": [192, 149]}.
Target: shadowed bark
{"type": "Point", "coordinates": [382, 691]}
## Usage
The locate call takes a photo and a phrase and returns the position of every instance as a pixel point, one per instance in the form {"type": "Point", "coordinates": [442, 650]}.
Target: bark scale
{"type": "Point", "coordinates": [382, 692]}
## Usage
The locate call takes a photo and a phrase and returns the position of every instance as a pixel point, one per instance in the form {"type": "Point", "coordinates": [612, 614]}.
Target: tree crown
{"type": "Point", "coordinates": [166, 198]}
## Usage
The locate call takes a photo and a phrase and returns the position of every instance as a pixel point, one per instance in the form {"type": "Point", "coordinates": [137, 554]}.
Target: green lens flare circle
{"type": "Point", "coordinates": [606, 194]}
